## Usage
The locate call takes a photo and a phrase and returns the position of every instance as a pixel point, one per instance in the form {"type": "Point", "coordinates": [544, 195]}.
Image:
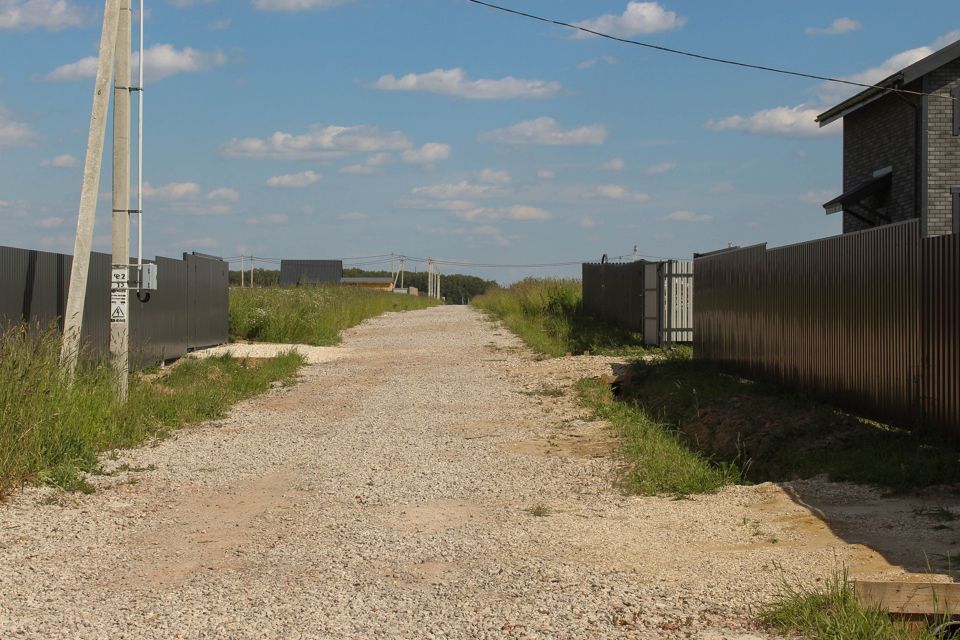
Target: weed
{"type": "Point", "coordinates": [548, 315]}
{"type": "Point", "coordinates": [775, 434]}
{"type": "Point", "coordinates": [938, 514]}
{"type": "Point", "coordinates": [658, 462]}
{"type": "Point", "coordinates": [539, 510]}
{"type": "Point", "coordinates": [313, 315]}
{"type": "Point", "coordinates": [832, 612]}
{"type": "Point", "coordinates": [51, 432]}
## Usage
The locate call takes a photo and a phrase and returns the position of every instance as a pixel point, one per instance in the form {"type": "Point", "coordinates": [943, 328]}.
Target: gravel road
{"type": "Point", "coordinates": [417, 485]}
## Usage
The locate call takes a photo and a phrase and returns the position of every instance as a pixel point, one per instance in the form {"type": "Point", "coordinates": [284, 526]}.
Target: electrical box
{"type": "Point", "coordinates": [148, 280]}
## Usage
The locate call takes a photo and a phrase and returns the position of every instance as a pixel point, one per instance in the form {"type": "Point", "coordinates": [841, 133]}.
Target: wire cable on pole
{"type": "Point", "coordinates": [700, 56]}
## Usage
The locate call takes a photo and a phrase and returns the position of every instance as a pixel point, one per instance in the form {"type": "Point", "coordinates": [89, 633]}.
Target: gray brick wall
{"type": "Point", "coordinates": [882, 134]}
{"type": "Point", "coordinates": [943, 168]}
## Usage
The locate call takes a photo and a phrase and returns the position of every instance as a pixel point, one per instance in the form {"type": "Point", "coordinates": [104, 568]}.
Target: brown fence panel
{"type": "Point", "coordinates": [614, 292]}
{"type": "Point", "coordinates": [839, 316]}
{"type": "Point", "coordinates": [941, 336]}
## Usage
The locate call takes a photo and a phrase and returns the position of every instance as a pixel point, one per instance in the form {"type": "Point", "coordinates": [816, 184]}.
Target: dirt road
{"type": "Point", "coordinates": [417, 484]}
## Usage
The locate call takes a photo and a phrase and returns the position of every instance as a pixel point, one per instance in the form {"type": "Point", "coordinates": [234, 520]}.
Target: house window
{"type": "Point", "coordinates": [956, 111]}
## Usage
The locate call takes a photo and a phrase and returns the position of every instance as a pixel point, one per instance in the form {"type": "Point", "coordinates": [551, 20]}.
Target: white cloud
{"type": "Point", "coordinates": [370, 165]}
{"type": "Point", "coordinates": [619, 192]}
{"type": "Point", "coordinates": [592, 62]}
{"type": "Point", "coordinates": [201, 243]}
{"type": "Point", "coordinates": [639, 18]}
{"type": "Point", "coordinates": [519, 212]}
{"type": "Point", "coordinates": [455, 82]}
{"type": "Point", "coordinates": [615, 164]}
{"type": "Point", "coordinates": [427, 155]}
{"type": "Point", "coordinates": [52, 15]}
{"type": "Point", "coordinates": [294, 6]}
{"type": "Point", "coordinates": [50, 223]}
{"type": "Point", "coordinates": [295, 180]}
{"type": "Point", "coordinates": [492, 176]}
{"type": "Point", "coordinates": [224, 193]}
{"type": "Point", "coordinates": [61, 161]}
{"type": "Point", "coordinates": [660, 168]}
{"type": "Point", "coordinates": [273, 218]}
{"type": "Point", "coordinates": [13, 133]}
{"type": "Point", "coordinates": [818, 197]}
{"type": "Point", "coordinates": [587, 222]}
{"type": "Point", "coordinates": [687, 216]}
{"type": "Point", "coordinates": [358, 169]}
{"type": "Point", "coordinates": [354, 216]}
{"type": "Point", "coordinates": [453, 191]}
{"type": "Point", "coordinates": [546, 174]}
{"type": "Point", "coordinates": [838, 27]}
{"type": "Point", "coordinates": [162, 61]}
{"type": "Point", "coordinates": [318, 143]}
{"type": "Point", "coordinates": [546, 131]}
{"type": "Point", "coordinates": [171, 191]}
{"type": "Point", "coordinates": [790, 122]}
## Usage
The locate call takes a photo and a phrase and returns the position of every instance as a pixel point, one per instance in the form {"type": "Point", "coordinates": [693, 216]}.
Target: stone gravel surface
{"type": "Point", "coordinates": [433, 480]}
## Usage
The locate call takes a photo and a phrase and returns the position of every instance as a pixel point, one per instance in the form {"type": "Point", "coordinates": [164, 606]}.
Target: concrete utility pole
{"type": "Point", "coordinates": [73, 318]}
{"type": "Point", "coordinates": [251, 272]}
{"type": "Point", "coordinates": [242, 271]}
{"type": "Point", "coordinates": [120, 278]}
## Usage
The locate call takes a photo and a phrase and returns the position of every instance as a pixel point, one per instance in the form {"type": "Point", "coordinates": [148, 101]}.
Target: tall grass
{"type": "Point", "coordinates": [832, 612]}
{"type": "Point", "coordinates": [658, 460]}
{"type": "Point", "coordinates": [309, 315]}
{"type": "Point", "coordinates": [548, 315]}
{"type": "Point", "coordinates": [51, 430]}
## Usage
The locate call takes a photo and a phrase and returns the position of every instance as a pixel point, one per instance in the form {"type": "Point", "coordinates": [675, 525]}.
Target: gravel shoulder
{"type": "Point", "coordinates": [389, 495]}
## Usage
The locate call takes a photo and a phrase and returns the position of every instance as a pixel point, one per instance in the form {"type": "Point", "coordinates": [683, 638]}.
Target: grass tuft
{"type": "Point", "coordinates": [52, 432]}
{"type": "Point", "coordinates": [832, 612]}
{"type": "Point", "coordinates": [313, 315]}
{"type": "Point", "coordinates": [548, 315]}
{"type": "Point", "coordinates": [658, 461]}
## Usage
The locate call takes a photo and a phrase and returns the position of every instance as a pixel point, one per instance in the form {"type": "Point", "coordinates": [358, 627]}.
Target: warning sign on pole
{"type": "Point", "coordinates": [118, 306]}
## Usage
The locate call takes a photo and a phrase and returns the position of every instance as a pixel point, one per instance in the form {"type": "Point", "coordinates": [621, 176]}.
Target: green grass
{"type": "Point", "coordinates": [776, 434]}
{"type": "Point", "coordinates": [51, 431]}
{"type": "Point", "coordinates": [309, 315]}
{"type": "Point", "coordinates": [832, 612]}
{"type": "Point", "coordinates": [548, 315]}
{"type": "Point", "coordinates": [658, 460]}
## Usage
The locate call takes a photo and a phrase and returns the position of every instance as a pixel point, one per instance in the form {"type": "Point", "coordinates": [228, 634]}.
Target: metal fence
{"type": "Point", "coordinates": [187, 311]}
{"type": "Point", "coordinates": [869, 319]}
{"type": "Point", "coordinates": [652, 298]}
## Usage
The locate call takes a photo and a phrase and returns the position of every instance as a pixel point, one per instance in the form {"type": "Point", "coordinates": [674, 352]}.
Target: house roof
{"type": "Point", "coordinates": [901, 78]}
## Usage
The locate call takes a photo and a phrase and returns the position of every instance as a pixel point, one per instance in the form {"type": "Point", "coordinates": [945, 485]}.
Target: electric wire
{"type": "Point", "coordinates": [708, 58]}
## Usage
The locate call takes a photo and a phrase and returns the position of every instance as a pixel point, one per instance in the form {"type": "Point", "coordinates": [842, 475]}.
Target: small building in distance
{"type": "Point", "coordinates": [300, 272]}
{"type": "Point", "coordinates": [378, 284]}
{"type": "Point", "coordinates": [901, 151]}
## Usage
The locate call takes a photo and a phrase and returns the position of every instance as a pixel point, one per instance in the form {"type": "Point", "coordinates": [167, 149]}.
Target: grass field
{"type": "Point", "coordinates": [548, 315]}
{"type": "Point", "coordinates": [309, 315]}
{"type": "Point", "coordinates": [51, 431]}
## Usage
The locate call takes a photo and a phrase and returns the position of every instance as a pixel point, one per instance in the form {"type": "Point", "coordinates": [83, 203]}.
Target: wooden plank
{"type": "Point", "coordinates": [910, 598]}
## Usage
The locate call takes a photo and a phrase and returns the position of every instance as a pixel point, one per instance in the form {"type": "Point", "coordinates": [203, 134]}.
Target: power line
{"type": "Point", "coordinates": [700, 56]}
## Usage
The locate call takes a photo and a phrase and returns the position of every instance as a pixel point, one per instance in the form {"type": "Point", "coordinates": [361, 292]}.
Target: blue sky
{"type": "Point", "coordinates": [324, 128]}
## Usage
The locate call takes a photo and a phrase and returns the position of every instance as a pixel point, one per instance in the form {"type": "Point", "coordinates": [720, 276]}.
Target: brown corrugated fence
{"type": "Point", "coordinates": [869, 319]}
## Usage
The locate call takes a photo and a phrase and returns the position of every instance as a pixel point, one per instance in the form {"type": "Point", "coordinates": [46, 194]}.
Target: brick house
{"type": "Point", "coordinates": [901, 152]}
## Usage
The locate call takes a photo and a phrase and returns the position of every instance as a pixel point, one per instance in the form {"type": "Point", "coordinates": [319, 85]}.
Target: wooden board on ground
{"type": "Point", "coordinates": [910, 598]}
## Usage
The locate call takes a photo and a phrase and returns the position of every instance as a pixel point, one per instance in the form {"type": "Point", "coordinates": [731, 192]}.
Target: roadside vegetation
{"type": "Point", "coordinates": [774, 434]}
{"type": "Point", "coordinates": [548, 315]}
{"type": "Point", "coordinates": [313, 315]}
{"type": "Point", "coordinates": [51, 432]}
{"type": "Point", "coordinates": [832, 612]}
{"type": "Point", "coordinates": [659, 461]}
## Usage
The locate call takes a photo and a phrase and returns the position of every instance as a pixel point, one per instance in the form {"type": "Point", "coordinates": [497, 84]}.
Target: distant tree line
{"type": "Point", "coordinates": [456, 288]}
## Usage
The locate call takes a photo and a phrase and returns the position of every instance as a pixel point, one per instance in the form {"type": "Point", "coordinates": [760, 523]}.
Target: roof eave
{"type": "Point", "coordinates": [859, 100]}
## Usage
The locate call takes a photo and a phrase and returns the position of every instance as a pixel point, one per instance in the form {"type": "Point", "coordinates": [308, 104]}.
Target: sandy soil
{"type": "Point", "coordinates": [391, 494]}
